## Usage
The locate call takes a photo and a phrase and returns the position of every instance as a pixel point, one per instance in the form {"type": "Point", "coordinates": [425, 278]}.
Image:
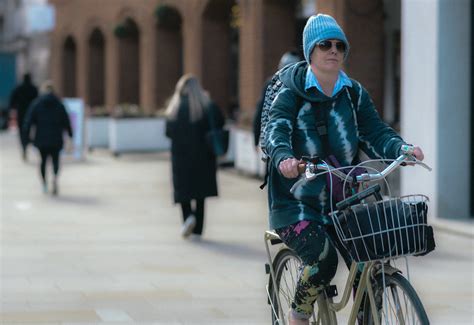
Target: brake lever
{"type": "Point", "coordinates": [417, 162]}
{"type": "Point", "coordinates": [424, 165]}
{"type": "Point", "coordinates": [309, 175]}
{"type": "Point", "coordinates": [297, 184]}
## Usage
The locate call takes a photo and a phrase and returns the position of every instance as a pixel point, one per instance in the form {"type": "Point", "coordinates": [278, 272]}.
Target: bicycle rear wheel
{"type": "Point", "coordinates": [287, 268]}
{"type": "Point", "coordinates": [398, 303]}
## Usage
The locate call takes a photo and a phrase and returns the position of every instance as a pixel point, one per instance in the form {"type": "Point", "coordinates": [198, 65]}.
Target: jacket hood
{"type": "Point", "coordinates": [293, 76]}
{"type": "Point", "coordinates": [50, 99]}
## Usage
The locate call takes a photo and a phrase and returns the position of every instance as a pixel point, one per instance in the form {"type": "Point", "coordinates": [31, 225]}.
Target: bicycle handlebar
{"type": "Point", "coordinates": [407, 157]}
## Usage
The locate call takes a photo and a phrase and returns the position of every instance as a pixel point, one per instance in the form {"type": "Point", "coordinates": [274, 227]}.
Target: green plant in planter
{"type": "Point", "coordinates": [120, 30]}
{"type": "Point", "coordinates": [167, 17]}
{"type": "Point", "coordinates": [125, 29]}
{"type": "Point", "coordinates": [160, 112]}
{"type": "Point", "coordinates": [127, 110]}
{"type": "Point", "coordinates": [98, 111]}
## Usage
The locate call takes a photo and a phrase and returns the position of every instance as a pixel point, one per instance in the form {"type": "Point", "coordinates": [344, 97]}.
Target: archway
{"type": "Point", "coordinates": [220, 53]}
{"type": "Point", "coordinates": [69, 63]}
{"type": "Point", "coordinates": [129, 62]}
{"type": "Point", "coordinates": [169, 52]}
{"type": "Point", "coordinates": [96, 72]}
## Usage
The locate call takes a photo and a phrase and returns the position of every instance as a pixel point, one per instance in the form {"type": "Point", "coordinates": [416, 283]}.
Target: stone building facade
{"type": "Point", "coordinates": [120, 51]}
{"type": "Point", "coordinates": [115, 51]}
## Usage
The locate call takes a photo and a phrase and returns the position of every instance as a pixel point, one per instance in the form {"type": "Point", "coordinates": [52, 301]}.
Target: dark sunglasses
{"type": "Point", "coordinates": [327, 45]}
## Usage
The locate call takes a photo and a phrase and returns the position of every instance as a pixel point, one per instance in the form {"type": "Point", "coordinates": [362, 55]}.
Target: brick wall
{"type": "Point", "coordinates": [200, 44]}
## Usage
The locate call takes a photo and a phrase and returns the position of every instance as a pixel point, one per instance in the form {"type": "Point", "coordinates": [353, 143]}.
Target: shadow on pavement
{"type": "Point", "coordinates": [144, 156]}
{"type": "Point", "coordinates": [236, 250]}
{"type": "Point", "coordinates": [77, 200]}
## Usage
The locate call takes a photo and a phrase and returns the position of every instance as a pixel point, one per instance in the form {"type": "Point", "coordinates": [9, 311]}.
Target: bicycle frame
{"type": "Point", "coordinates": [326, 307]}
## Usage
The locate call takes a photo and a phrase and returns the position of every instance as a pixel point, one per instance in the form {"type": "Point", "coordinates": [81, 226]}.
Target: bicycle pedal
{"type": "Point", "coordinates": [267, 268]}
{"type": "Point", "coordinates": [331, 291]}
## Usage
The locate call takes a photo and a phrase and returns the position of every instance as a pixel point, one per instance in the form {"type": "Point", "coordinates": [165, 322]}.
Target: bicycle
{"type": "Point", "coordinates": [374, 234]}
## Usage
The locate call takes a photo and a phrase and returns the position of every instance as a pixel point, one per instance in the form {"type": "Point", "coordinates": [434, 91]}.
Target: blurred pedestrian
{"type": "Point", "coordinates": [287, 58]}
{"type": "Point", "coordinates": [20, 99]}
{"type": "Point", "coordinates": [48, 116]}
{"type": "Point", "coordinates": [193, 164]}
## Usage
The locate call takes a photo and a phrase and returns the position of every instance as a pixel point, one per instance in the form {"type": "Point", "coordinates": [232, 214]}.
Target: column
{"type": "Point", "coordinates": [147, 67]}
{"type": "Point", "coordinates": [251, 59]}
{"type": "Point", "coordinates": [192, 42]}
{"type": "Point", "coordinates": [82, 68]}
{"type": "Point", "coordinates": [436, 106]}
{"type": "Point", "coordinates": [111, 71]}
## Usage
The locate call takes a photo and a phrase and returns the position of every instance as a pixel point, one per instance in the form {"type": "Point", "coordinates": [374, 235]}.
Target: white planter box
{"type": "Point", "coordinates": [137, 134]}
{"type": "Point", "coordinates": [247, 157]}
{"type": "Point", "coordinates": [97, 132]}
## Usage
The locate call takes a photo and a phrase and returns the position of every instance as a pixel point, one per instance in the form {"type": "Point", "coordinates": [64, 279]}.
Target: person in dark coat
{"type": "Point", "coordinates": [50, 119]}
{"type": "Point", "coordinates": [20, 99]}
{"type": "Point", "coordinates": [193, 164]}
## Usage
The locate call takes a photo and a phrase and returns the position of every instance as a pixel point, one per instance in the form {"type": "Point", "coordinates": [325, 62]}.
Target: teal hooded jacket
{"type": "Point", "coordinates": [291, 132]}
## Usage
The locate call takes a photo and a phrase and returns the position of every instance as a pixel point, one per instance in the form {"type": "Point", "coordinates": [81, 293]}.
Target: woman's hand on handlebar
{"type": "Point", "coordinates": [418, 153]}
{"type": "Point", "coordinates": [413, 151]}
{"type": "Point", "coordinates": [289, 167]}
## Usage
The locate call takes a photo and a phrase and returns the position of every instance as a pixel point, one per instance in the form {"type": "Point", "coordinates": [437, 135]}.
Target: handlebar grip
{"type": "Point", "coordinates": [301, 168]}
{"type": "Point", "coordinates": [356, 198]}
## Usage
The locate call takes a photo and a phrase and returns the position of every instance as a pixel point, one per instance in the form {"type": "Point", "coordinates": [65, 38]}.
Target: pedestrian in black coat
{"type": "Point", "coordinates": [49, 117]}
{"type": "Point", "coordinates": [20, 100]}
{"type": "Point", "coordinates": [193, 164]}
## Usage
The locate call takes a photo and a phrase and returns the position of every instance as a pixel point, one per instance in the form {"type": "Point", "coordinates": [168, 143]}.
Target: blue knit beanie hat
{"type": "Point", "coordinates": [319, 28]}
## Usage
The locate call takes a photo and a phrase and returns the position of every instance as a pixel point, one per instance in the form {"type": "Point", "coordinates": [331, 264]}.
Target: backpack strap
{"type": "Point", "coordinates": [322, 116]}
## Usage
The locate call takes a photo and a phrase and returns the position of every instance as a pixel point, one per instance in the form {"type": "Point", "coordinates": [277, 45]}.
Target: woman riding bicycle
{"type": "Point", "coordinates": [320, 112]}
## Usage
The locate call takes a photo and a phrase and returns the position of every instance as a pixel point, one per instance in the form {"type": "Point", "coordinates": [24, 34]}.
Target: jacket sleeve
{"type": "Point", "coordinates": [282, 116]}
{"type": "Point", "coordinates": [218, 116]}
{"type": "Point", "coordinates": [169, 129]}
{"type": "Point", "coordinates": [66, 121]}
{"type": "Point", "coordinates": [30, 119]}
{"type": "Point", "coordinates": [13, 99]}
{"type": "Point", "coordinates": [257, 123]}
{"type": "Point", "coordinates": [377, 139]}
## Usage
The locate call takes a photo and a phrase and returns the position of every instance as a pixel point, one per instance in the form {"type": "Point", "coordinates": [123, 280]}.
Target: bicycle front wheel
{"type": "Point", "coordinates": [286, 266]}
{"type": "Point", "coordinates": [397, 303]}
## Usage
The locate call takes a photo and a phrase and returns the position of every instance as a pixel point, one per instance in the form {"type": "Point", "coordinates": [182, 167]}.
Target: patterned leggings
{"type": "Point", "coordinates": [314, 245]}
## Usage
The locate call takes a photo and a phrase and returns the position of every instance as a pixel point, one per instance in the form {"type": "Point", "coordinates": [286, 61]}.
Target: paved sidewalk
{"type": "Point", "coordinates": [108, 250]}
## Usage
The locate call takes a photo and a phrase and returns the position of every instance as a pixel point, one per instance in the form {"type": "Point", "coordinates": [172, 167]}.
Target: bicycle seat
{"type": "Point", "coordinates": [273, 237]}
